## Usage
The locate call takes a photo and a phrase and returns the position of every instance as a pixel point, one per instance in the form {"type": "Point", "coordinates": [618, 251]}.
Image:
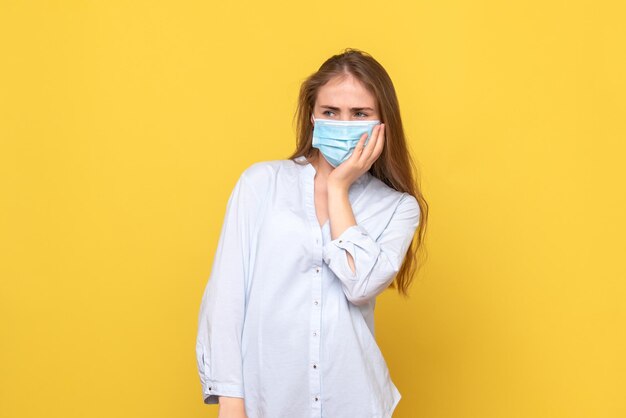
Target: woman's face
{"type": "Point", "coordinates": [345, 98]}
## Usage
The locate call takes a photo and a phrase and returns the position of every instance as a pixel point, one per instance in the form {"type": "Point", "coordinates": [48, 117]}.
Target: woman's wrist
{"type": "Point", "coordinates": [337, 187]}
{"type": "Point", "coordinates": [231, 407]}
{"type": "Point", "coordinates": [230, 401]}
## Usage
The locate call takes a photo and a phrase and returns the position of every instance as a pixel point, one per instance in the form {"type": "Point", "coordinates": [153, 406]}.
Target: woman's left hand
{"type": "Point", "coordinates": [362, 158]}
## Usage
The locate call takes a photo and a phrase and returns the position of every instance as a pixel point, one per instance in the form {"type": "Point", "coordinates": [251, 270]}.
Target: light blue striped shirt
{"type": "Point", "coordinates": [284, 322]}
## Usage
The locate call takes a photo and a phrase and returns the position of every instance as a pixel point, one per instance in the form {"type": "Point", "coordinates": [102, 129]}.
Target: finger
{"type": "Point", "coordinates": [380, 140]}
{"type": "Point", "coordinates": [358, 149]}
{"type": "Point", "coordinates": [371, 144]}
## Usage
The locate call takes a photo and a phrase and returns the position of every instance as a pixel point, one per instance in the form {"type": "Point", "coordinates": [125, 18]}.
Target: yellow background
{"type": "Point", "coordinates": [125, 124]}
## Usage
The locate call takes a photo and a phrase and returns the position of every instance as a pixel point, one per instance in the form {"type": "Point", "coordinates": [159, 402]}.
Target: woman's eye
{"type": "Point", "coordinates": [358, 114]}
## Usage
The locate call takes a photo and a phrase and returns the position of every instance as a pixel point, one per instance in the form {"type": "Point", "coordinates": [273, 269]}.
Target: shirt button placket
{"type": "Point", "coordinates": [316, 319]}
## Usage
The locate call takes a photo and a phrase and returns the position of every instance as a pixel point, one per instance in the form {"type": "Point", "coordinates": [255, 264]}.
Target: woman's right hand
{"type": "Point", "coordinates": [231, 408]}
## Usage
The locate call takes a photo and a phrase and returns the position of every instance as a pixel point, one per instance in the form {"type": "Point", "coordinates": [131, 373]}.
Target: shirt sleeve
{"type": "Point", "coordinates": [376, 261]}
{"type": "Point", "coordinates": [221, 317]}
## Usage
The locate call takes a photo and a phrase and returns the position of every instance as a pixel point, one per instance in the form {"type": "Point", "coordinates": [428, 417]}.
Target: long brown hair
{"type": "Point", "coordinates": [394, 166]}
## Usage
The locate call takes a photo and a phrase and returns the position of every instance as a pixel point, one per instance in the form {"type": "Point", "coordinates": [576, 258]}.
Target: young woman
{"type": "Point", "coordinates": [286, 323]}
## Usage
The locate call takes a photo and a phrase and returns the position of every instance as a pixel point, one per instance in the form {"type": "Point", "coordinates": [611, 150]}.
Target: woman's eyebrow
{"type": "Point", "coordinates": [352, 108]}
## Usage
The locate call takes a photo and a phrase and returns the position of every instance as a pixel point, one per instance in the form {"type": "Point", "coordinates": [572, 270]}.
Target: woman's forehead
{"type": "Point", "coordinates": [345, 93]}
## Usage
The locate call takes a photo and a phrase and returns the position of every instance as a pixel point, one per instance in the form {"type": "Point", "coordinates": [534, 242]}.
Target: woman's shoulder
{"type": "Point", "coordinates": [381, 189]}
{"type": "Point", "coordinates": [385, 195]}
{"type": "Point", "coordinates": [262, 173]}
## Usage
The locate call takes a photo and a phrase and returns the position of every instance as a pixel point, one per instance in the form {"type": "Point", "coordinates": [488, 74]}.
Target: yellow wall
{"type": "Point", "coordinates": [125, 124]}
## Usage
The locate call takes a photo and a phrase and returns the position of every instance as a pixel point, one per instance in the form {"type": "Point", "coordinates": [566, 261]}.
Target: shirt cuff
{"type": "Point", "coordinates": [212, 391]}
{"type": "Point", "coordinates": [356, 240]}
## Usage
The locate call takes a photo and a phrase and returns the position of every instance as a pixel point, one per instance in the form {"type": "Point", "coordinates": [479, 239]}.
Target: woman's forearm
{"type": "Point", "coordinates": [340, 213]}
{"type": "Point", "coordinates": [231, 407]}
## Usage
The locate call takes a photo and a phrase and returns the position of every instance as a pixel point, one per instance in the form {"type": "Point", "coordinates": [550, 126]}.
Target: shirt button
{"type": "Point", "coordinates": [316, 399]}
{"type": "Point", "coordinates": [316, 302]}
{"type": "Point", "coordinates": [315, 366]}
{"type": "Point", "coordinates": [210, 388]}
{"type": "Point", "coordinates": [340, 241]}
{"type": "Point", "coordinates": [314, 333]}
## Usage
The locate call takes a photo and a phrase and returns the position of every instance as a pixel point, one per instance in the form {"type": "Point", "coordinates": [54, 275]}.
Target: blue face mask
{"type": "Point", "coordinates": [336, 139]}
